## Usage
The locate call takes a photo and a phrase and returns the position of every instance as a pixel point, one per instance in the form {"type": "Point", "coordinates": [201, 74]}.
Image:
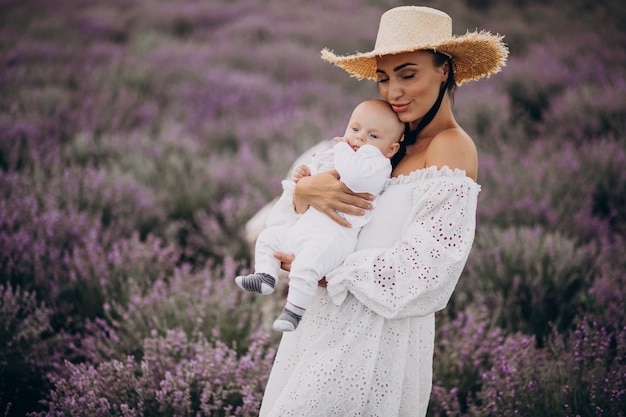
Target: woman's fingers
{"type": "Point", "coordinates": [347, 203]}
{"type": "Point", "coordinates": [285, 260]}
{"type": "Point", "coordinates": [355, 203]}
{"type": "Point", "coordinates": [330, 196]}
{"type": "Point", "coordinates": [337, 218]}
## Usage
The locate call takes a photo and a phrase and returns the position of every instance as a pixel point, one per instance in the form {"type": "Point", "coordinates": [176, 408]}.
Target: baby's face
{"type": "Point", "coordinates": [374, 123]}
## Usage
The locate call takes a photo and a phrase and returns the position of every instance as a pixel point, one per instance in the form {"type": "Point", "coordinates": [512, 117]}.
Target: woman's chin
{"type": "Point", "coordinates": [405, 117]}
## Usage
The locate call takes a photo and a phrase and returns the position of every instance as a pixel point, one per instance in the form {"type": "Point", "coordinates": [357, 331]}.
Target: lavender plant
{"type": "Point", "coordinates": [177, 376]}
{"type": "Point", "coordinates": [482, 371]}
{"type": "Point", "coordinates": [203, 302]}
{"type": "Point", "coordinates": [581, 375]}
{"type": "Point", "coordinates": [56, 243]}
{"type": "Point", "coordinates": [29, 349]}
{"type": "Point", "coordinates": [609, 288]}
{"type": "Point", "coordinates": [560, 68]}
{"type": "Point", "coordinates": [529, 280]}
{"type": "Point", "coordinates": [530, 193]}
{"type": "Point", "coordinates": [463, 351]}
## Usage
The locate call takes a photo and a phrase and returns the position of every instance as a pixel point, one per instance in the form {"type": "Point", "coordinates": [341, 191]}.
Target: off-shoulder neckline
{"type": "Point", "coordinates": [430, 172]}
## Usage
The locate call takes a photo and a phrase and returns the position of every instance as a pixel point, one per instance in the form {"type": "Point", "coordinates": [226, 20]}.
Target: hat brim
{"type": "Point", "coordinates": [474, 55]}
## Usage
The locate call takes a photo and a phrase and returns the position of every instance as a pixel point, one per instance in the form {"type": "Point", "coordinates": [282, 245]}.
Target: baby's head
{"type": "Point", "coordinates": [373, 122]}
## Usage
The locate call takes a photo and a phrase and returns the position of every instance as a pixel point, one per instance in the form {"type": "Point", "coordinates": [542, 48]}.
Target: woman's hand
{"type": "Point", "coordinates": [286, 259]}
{"type": "Point", "coordinates": [327, 194]}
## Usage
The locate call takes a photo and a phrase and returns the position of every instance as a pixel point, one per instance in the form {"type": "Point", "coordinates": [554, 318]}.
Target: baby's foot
{"type": "Point", "coordinates": [287, 321]}
{"type": "Point", "coordinates": [259, 282]}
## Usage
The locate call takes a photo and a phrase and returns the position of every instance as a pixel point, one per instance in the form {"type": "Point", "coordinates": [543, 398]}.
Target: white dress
{"type": "Point", "coordinates": [365, 347]}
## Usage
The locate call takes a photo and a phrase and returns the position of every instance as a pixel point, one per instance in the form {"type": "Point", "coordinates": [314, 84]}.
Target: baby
{"type": "Point", "coordinates": [362, 159]}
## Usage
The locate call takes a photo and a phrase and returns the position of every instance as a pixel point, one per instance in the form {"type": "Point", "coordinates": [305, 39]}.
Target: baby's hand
{"type": "Point", "coordinates": [340, 139]}
{"type": "Point", "coordinates": [300, 171]}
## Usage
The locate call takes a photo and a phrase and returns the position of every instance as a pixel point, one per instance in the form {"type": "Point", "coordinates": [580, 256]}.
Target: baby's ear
{"type": "Point", "coordinates": [393, 149]}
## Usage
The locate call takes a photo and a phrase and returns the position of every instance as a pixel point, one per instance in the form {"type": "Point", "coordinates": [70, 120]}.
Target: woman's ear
{"type": "Point", "coordinates": [445, 71]}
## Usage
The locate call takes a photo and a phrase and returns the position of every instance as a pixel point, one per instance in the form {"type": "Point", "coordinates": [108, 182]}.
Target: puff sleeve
{"type": "Point", "coordinates": [416, 276]}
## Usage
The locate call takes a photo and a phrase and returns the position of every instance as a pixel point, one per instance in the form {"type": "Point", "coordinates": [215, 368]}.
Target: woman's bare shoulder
{"type": "Point", "coordinates": [455, 149]}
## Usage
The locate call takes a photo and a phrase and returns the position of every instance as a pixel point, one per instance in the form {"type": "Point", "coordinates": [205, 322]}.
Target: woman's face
{"type": "Point", "coordinates": [410, 82]}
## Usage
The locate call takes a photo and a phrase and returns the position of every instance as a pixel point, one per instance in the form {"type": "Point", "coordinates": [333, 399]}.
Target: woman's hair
{"type": "Point", "coordinates": [440, 59]}
{"type": "Point", "coordinates": [410, 136]}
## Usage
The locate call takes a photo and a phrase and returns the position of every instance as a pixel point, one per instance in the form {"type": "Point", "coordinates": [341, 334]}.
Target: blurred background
{"type": "Point", "coordinates": [137, 138]}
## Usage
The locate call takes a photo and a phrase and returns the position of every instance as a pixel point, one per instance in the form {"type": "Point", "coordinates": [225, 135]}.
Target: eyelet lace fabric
{"type": "Point", "coordinates": [365, 347]}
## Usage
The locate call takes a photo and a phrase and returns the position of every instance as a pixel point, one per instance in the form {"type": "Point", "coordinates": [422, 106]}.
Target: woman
{"type": "Point", "coordinates": [365, 348]}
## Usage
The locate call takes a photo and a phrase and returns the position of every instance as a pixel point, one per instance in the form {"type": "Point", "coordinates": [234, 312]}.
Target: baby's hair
{"type": "Point", "coordinates": [393, 113]}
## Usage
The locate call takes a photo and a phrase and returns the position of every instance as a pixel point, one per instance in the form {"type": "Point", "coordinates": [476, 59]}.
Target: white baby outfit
{"type": "Point", "coordinates": [320, 244]}
{"type": "Point", "coordinates": [365, 347]}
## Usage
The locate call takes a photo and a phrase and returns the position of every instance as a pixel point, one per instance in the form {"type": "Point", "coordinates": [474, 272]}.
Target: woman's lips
{"type": "Point", "coordinates": [400, 108]}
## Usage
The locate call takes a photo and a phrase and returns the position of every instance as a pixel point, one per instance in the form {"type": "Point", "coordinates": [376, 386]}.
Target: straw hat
{"type": "Point", "coordinates": [412, 28]}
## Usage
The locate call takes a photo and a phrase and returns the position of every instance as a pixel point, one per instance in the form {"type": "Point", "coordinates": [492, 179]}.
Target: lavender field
{"type": "Point", "coordinates": [137, 138]}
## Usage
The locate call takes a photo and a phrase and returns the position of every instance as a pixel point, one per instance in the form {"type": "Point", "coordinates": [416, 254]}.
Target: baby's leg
{"type": "Point", "coordinates": [315, 257]}
{"type": "Point", "coordinates": [266, 267]}
{"type": "Point", "coordinates": [259, 282]}
{"type": "Point", "coordinates": [289, 318]}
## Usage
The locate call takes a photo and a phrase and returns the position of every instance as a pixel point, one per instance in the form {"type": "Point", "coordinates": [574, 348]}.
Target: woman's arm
{"type": "Point", "coordinates": [416, 276]}
{"type": "Point", "coordinates": [327, 194]}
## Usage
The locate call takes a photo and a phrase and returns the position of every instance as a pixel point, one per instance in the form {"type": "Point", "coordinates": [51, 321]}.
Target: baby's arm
{"type": "Point", "coordinates": [300, 171]}
{"type": "Point", "coordinates": [304, 170]}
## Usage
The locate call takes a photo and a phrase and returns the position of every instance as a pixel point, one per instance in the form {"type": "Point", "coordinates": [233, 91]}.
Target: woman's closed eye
{"type": "Point", "coordinates": [407, 73]}
{"type": "Point", "coordinates": [382, 77]}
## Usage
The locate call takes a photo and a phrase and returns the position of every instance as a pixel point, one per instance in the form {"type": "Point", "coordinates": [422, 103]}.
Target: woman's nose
{"type": "Point", "coordinates": [395, 90]}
